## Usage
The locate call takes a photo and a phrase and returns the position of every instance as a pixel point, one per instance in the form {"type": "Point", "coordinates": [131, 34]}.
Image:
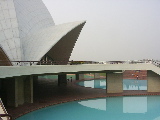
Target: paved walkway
{"type": "Point", "coordinates": [47, 93]}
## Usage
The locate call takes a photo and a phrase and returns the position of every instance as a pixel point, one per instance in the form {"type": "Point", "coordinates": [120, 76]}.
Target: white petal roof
{"type": "Point", "coordinates": [28, 32]}
{"type": "Point", "coordinates": [9, 32]}
{"type": "Point", "coordinates": [38, 44]}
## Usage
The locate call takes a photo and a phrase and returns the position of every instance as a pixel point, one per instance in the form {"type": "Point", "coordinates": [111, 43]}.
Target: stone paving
{"type": "Point", "coordinates": [47, 93]}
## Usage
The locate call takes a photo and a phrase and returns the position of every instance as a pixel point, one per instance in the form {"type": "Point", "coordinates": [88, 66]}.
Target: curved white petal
{"type": "Point", "coordinates": [38, 44]}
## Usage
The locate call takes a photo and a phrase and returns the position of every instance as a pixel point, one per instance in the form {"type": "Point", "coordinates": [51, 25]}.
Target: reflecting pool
{"type": "Point", "coordinates": [131, 84]}
{"type": "Point", "coordinates": [94, 83]}
{"type": "Point", "coordinates": [111, 108]}
{"type": "Point", "coordinates": [128, 84]}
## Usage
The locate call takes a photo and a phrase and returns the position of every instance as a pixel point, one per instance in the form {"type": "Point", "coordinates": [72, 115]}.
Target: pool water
{"type": "Point", "coordinates": [128, 84]}
{"type": "Point", "coordinates": [131, 84]}
{"type": "Point", "coordinates": [93, 83]}
{"type": "Point", "coordinates": [111, 108]}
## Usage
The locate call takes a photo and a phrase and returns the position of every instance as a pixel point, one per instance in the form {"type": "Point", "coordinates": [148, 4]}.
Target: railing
{"type": "Point", "coordinates": [32, 63]}
{"type": "Point", "coordinates": [156, 63]}
{"type": "Point", "coordinates": [6, 116]}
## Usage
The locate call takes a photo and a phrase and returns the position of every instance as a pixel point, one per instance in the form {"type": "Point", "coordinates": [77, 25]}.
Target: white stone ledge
{"type": "Point", "coordinates": [6, 71]}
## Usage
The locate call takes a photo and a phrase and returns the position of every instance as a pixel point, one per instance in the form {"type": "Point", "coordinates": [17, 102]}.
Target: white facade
{"type": "Point", "coordinates": [6, 71]}
{"type": "Point", "coordinates": [28, 32]}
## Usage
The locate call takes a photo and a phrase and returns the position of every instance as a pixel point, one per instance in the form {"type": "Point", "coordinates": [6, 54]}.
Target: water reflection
{"type": "Point", "coordinates": [125, 104]}
{"type": "Point", "coordinates": [128, 84]}
{"type": "Point", "coordinates": [94, 83]}
{"type": "Point", "coordinates": [131, 105]}
{"type": "Point", "coordinates": [99, 104]}
{"type": "Point", "coordinates": [131, 84]}
{"type": "Point", "coordinates": [110, 108]}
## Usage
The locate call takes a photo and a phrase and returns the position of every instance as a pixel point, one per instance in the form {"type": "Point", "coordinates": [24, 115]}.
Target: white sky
{"type": "Point", "coordinates": [114, 29]}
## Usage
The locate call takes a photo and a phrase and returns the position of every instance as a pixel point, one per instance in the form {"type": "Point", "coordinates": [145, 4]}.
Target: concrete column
{"type": "Point", "coordinates": [79, 76]}
{"type": "Point", "coordinates": [153, 80]}
{"type": "Point", "coordinates": [96, 75]}
{"type": "Point", "coordinates": [106, 82]}
{"type": "Point", "coordinates": [114, 82]}
{"type": "Point", "coordinates": [35, 79]}
{"type": "Point", "coordinates": [3, 90]}
{"type": "Point", "coordinates": [19, 90]}
{"type": "Point", "coordinates": [28, 89]}
{"type": "Point", "coordinates": [62, 79]}
{"type": "Point", "coordinates": [12, 92]}
{"type": "Point", "coordinates": [35, 83]}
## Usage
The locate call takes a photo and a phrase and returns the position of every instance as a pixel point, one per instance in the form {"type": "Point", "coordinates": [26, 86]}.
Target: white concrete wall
{"type": "Point", "coordinates": [153, 80]}
{"type": "Point", "coordinates": [9, 31]}
{"type": "Point", "coordinates": [42, 69]}
{"type": "Point", "coordinates": [114, 83]}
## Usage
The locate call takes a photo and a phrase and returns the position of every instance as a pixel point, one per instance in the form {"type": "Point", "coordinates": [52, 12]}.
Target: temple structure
{"type": "Point", "coordinates": [28, 33]}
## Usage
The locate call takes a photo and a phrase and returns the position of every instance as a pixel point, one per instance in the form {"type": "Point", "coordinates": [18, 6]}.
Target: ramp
{"type": "Point", "coordinates": [3, 113]}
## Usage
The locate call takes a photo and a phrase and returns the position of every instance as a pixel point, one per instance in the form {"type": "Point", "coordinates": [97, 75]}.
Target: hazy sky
{"type": "Point", "coordinates": [114, 29]}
